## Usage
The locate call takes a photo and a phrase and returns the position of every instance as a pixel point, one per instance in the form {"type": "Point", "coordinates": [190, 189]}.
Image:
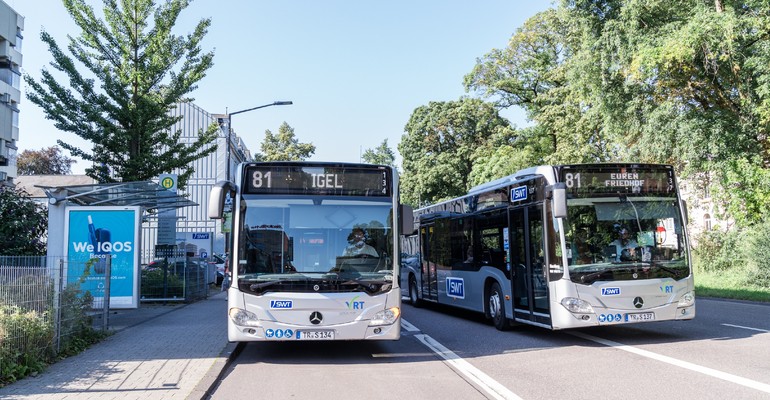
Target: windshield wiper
{"type": "Point", "coordinates": [594, 276]}
{"type": "Point", "coordinates": [667, 269]}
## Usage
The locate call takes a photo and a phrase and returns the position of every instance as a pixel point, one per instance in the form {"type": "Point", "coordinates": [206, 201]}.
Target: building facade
{"type": "Point", "coordinates": [208, 170]}
{"type": "Point", "coordinates": [10, 89]}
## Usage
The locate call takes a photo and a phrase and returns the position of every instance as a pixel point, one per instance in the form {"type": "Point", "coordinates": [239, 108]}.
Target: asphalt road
{"type": "Point", "coordinates": [449, 354]}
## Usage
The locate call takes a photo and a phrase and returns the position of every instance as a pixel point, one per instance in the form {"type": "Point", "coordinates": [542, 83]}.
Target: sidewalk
{"type": "Point", "coordinates": [157, 352]}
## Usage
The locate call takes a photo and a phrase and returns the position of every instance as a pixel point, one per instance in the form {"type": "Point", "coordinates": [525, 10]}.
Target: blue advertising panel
{"type": "Point", "coordinates": [96, 236]}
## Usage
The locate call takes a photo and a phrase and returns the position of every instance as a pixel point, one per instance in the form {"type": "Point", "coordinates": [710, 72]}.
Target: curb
{"type": "Point", "coordinates": [204, 389]}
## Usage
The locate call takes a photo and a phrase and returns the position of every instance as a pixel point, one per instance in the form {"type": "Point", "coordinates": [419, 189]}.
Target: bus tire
{"type": "Point", "coordinates": [496, 307]}
{"type": "Point", "coordinates": [414, 297]}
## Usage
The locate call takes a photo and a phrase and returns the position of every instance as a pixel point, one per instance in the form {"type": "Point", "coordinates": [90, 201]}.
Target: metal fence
{"type": "Point", "coordinates": [46, 302]}
{"type": "Point", "coordinates": [38, 318]}
{"type": "Point", "coordinates": [178, 278]}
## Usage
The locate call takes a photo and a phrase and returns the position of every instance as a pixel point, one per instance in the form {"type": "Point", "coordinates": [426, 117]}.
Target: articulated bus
{"type": "Point", "coordinates": [560, 246]}
{"type": "Point", "coordinates": [313, 251]}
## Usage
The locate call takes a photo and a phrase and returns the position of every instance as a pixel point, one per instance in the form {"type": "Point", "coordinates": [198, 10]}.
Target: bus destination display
{"type": "Point", "coordinates": [282, 179]}
{"type": "Point", "coordinates": [620, 179]}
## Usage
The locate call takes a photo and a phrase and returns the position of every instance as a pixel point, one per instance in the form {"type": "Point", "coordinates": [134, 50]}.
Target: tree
{"type": "Point", "coordinates": [23, 224]}
{"type": "Point", "coordinates": [540, 72]}
{"type": "Point", "coordinates": [683, 82]}
{"type": "Point", "coordinates": [46, 161]}
{"type": "Point", "coordinates": [509, 151]}
{"type": "Point", "coordinates": [695, 79]}
{"type": "Point", "coordinates": [285, 146]}
{"type": "Point", "coordinates": [440, 146]}
{"type": "Point", "coordinates": [381, 154]}
{"type": "Point", "coordinates": [142, 71]}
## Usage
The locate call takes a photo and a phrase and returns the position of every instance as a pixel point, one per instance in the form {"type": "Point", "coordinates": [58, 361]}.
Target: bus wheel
{"type": "Point", "coordinates": [497, 307]}
{"type": "Point", "coordinates": [413, 296]}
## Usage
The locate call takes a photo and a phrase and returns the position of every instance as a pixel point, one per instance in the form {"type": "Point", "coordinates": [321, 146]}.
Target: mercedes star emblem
{"type": "Point", "coordinates": [316, 318]}
{"type": "Point", "coordinates": [316, 287]}
{"type": "Point", "coordinates": [638, 302]}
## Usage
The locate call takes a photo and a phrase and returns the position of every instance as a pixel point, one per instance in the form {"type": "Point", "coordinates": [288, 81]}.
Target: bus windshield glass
{"type": "Point", "coordinates": [313, 239]}
{"type": "Point", "coordinates": [625, 238]}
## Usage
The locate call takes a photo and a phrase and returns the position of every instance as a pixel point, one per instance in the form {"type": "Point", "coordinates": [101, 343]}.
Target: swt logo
{"type": "Point", "coordinates": [281, 304]}
{"type": "Point", "coordinates": [355, 305]}
{"type": "Point", "coordinates": [610, 291]}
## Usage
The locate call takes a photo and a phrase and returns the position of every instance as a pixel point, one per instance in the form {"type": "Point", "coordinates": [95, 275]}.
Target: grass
{"type": "Point", "coordinates": [728, 285]}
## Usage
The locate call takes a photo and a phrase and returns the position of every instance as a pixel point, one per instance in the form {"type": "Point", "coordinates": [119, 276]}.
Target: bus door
{"type": "Point", "coordinates": [527, 256]}
{"type": "Point", "coordinates": [429, 283]}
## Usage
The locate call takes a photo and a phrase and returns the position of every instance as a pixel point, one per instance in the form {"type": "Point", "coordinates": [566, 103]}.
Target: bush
{"type": "Point", "coordinates": [756, 254]}
{"type": "Point", "coordinates": [719, 251]}
{"type": "Point", "coordinates": [25, 342]}
{"type": "Point", "coordinates": [742, 253]}
{"type": "Point", "coordinates": [76, 326]}
{"type": "Point", "coordinates": [153, 285]}
{"type": "Point", "coordinates": [27, 327]}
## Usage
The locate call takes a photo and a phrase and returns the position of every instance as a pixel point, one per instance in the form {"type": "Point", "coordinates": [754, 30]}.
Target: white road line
{"type": "Point", "coordinates": [763, 387]}
{"type": "Point", "coordinates": [482, 380]}
{"type": "Point", "coordinates": [746, 327]}
{"type": "Point", "coordinates": [409, 327]}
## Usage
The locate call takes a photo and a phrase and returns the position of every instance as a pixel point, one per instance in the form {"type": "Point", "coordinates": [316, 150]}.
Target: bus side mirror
{"type": "Point", "coordinates": [559, 199]}
{"type": "Point", "coordinates": [217, 198]}
{"type": "Point", "coordinates": [406, 215]}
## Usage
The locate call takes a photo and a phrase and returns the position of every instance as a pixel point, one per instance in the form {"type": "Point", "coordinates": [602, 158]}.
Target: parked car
{"type": "Point", "coordinates": [219, 262]}
{"type": "Point", "coordinates": [176, 266]}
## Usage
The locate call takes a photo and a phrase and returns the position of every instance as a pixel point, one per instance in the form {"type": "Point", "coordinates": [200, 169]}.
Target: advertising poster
{"type": "Point", "coordinates": [96, 236]}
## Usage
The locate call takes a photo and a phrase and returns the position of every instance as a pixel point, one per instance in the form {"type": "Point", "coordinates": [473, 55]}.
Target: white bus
{"type": "Point", "coordinates": [559, 246]}
{"type": "Point", "coordinates": [313, 251]}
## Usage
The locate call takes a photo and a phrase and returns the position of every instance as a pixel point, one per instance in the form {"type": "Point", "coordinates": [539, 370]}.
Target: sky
{"type": "Point", "coordinates": [355, 70]}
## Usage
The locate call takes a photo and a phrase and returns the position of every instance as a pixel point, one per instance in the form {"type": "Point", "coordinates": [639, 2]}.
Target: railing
{"type": "Point", "coordinates": [176, 279]}
{"type": "Point", "coordinates": [46, 303]}
{"type": "Point", "coordinates": [38, 316]}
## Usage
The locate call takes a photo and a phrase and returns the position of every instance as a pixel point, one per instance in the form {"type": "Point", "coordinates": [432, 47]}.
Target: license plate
{"type": "Point", "coordinates": [640, 317]}
{"type": "Point", "coordinates": [315, 335]}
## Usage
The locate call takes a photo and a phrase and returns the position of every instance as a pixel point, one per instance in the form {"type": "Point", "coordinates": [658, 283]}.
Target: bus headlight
{"type": "Point", "coordinates": [385, 317]}
{"type": "Point", "coordinates": [577, 306]}
{"type": "Point", "coordinates": [687, 300]}
{"type": "Point", "coordinates": [243, 318]}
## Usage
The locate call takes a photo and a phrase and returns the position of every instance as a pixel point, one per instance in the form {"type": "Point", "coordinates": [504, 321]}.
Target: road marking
{"type": "Point", "coordinates": [746, 327]}
{"type": "Point", "coordinates": [409, 327]}
{"type": "Point", "coordinates": [763, 387]}
{"type": "Point", "coordinates": [482, 380]}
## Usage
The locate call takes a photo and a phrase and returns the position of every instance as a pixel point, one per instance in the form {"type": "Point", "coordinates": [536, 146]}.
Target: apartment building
{"type": "Point", "coordinates": [11, 26]}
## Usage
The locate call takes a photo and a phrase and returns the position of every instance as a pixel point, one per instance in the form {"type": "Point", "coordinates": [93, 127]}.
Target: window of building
{"type": "Point", "coordinates": [19, 39]}
{"type": "Point", "coordinates": [707, 222]}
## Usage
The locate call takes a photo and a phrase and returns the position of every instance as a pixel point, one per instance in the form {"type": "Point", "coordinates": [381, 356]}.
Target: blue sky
{"type": "Point", "coordinates": [355, 69]}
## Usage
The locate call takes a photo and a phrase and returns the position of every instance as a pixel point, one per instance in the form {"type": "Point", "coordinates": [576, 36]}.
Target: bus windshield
{"type": "Point", "coordinates": [625, 238]}
{"type": "Point", "coordinates": [310, 239]}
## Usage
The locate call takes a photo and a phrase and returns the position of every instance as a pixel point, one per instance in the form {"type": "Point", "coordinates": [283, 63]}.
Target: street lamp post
{"type": "Point", "coordinates": [230, 129]}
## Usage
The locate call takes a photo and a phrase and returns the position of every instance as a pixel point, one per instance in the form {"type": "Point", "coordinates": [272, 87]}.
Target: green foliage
{"type": "Point", "coordinates": [382, 155]}
{"type": "Point", "coordinates": [718, 251]}
{"type": "Point", "coordinates": [76, 328]}
{"type": "Point", "coordinates": [507, 152]}
{"type": "Point", "coordinates": [683, 82]}
{"type": "Point", "coordinates": [742, 254]}
{"type": "Point", "coordinates": [285, 146]}
{"type": "Point", "coordinates": [439, 147]}
{"type": "Point", "coordinates": [23, 224]}
{"type": "Point", "coordinates": [27, 330]}
{"type": "Point", "coordinates": [26, 347]}
{"type": "Point", "coordinates": [153, 283]}
{"type": "Point", "coordinates": [46, 161]}
{"type": "Point", "coordinates": [137, 71]}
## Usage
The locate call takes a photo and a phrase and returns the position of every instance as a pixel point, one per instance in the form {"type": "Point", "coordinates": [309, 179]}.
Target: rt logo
{"type": "Point", "coordinates": [355, 305]}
